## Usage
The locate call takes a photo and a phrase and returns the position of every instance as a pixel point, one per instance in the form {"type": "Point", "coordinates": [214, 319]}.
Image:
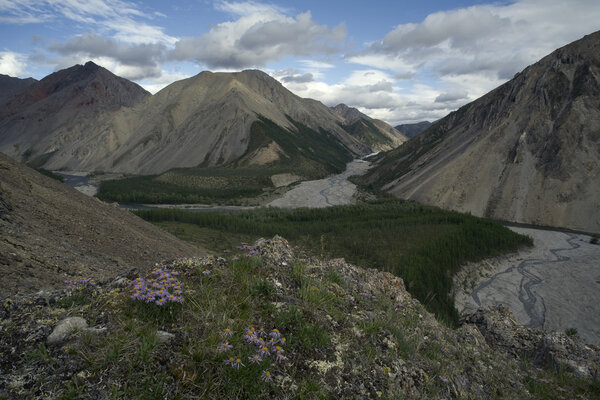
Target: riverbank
{"type": "Point", "coordinates": [335, 190]}
{"type": "Point", "coordinates": [555, 285]}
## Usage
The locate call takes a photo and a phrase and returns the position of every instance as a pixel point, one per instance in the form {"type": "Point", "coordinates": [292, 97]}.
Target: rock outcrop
{"type": "Point", "coordinates": [555, 350]}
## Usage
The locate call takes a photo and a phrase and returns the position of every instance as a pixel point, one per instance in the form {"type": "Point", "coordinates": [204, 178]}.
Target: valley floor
{"type": "Point", "coordinates": [555, 285]}
{"type": "Point", "coordinates": [335, 190]}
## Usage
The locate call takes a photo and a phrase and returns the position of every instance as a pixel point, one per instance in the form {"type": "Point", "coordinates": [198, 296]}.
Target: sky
{"type": "Point", "coordinates": [399, 61]}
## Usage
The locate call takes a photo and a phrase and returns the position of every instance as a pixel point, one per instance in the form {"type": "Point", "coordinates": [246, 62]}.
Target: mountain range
{"type": "Point", "coordinates": [528, 151]}
{"type": "Point", "coordinates": [412, 130]}
{"type": "Point", "coordinates": [86, 118]}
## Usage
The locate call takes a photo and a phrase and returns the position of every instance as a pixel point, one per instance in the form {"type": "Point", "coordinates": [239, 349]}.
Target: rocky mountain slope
{"type": "Point", "coordinates": [205, 120]}
{"type": "Point", "coordinates": [10, 86]}
{"type": "Point", "coordinates": [59, 109]}
{"type": "Point", "coordinates": [528, 151]}
{"type": "Point", "coordinates": [272, 323]}
{"type": "Point", "coordinates": [379, 135]}
{"type": "Point", "coordinates": [49, 232]}
{"type": "Point", "coordinates": [412, 130]}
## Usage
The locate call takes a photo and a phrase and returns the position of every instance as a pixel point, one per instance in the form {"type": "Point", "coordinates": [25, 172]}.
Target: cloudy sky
{"type": "Point", "coordinates": [400, 61]}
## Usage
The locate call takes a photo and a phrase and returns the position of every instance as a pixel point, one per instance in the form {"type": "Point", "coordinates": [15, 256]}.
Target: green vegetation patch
{"type": "Point", "coordinates": [424, 245]}
{"type": "Point", "coordinates": [308, 153]}
{"type": "Point", "coordinates": [50, 174]}
{"type": "Point", "coordinates": [188, 185]}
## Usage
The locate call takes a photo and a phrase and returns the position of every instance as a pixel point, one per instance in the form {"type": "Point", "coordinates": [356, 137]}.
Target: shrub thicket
{"type": "Point", "coordinates": [424, 245]}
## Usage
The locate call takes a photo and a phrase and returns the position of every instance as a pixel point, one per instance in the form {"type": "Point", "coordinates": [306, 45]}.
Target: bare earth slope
{"type": "Point", "coordinates": [529, 151]}
{"type": "Point", "coordinates": [49, 231]}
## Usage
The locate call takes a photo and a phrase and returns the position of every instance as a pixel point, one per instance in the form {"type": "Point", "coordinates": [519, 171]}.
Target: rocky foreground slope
{"type": "Point", "coordinates": [272, 323]}
{"type": "Point", "coordinates": [528, 151]}
{"type": "Point", "coordinates": [49, 232]}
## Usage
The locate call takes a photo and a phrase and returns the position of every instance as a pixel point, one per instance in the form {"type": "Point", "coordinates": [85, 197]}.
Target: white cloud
{"type": "Point", "coordinates": [122, 19]}
{"type": "Point", "coordinates": [495, 40]}
{"type": "Point", "coordinates": [164, 79]}
{"type": "Point", "coordinates": [314, 64]}
{"type": "Point", "coordinates": [260, 35]}
{"type": "Point", "coordinates": [94, 45]}
{"type": "Point", "coordinates": [463, 54]}
{"type": "Point", "coordinates": [246, 8]}
{"type": "Point", "coordinates": [12, 64]}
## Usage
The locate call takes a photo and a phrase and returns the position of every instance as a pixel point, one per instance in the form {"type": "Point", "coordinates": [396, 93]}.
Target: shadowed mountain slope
{"type": "Point", "coordinates": [412, 130]}
{"type": "Point", "coordinates": [10, 86]}
{"type": "Point", "coordinates": [528, 151]}
{"type": "Point", "coordinates": [49, 231]}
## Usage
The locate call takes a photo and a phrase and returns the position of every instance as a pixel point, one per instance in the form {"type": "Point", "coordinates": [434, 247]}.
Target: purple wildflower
{"type": "Point", "coordinates": [266, 376]}
{"type": "Point", "coordinates": [255, 359]}
{"type": "Point", "coordinates": [275, 334]}
{"type": "Point", "coordinates": [224, 347]}
{"type": "Point", "coordinates": [237, 363]}
{"type": "Point", "coordinates": [264, 351]}
{"type": "Point", "coordinates": [79, 281]}
{"type": "Point", "coordinates": [227, 332]}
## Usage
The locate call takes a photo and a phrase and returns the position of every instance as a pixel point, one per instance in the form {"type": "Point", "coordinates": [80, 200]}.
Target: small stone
{"type": "Point", "coordinates": [164, 337]}
{"type": "Point", "coordinates": [64, 329]}
{"type": "Point", "coordinates": [96, 330]}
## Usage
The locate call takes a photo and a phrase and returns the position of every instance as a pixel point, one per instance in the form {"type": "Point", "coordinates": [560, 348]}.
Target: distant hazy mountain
{"type": "Point", "coordinates": [209, 119]}
{"type": "Point", "coordinates": [49, 231]}
{"type": "Point", "coordinates": [10, 86]}
{"type": "Point", "coordinates": [50, 114]}
{"type": "Point", "coordinates": [375, 133]}
{"type": "Point", "coordinates": [528, 151]}
{"type": "Point", "coordinates": [412, 130]}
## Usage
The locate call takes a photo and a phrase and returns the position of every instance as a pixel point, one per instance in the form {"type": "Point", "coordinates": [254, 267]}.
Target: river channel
{"type": "Point", "coordinates": [334, 190]}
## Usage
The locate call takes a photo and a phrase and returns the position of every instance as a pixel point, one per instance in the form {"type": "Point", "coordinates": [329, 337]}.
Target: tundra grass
{"type": "Point", "coordinates": [422, 244]}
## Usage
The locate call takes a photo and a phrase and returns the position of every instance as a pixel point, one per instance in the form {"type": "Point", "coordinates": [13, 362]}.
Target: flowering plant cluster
{"type": "Point", "coordinates": [249, 250]}
{"type": "Point", "coordinates": [336, 262]}
{"type": "Point", "coordinates": [161, 289]}
{"type": "Point", "coordinates": [80, 282]}
{"type": "Point", "coordinates": [268, 344]}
